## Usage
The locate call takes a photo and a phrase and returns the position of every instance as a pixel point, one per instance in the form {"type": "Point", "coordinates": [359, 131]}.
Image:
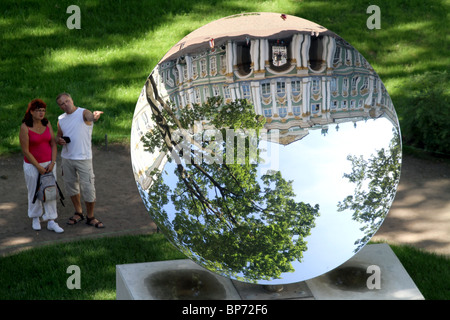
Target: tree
{"type": "Point", "coordinates": [376, 182]}
{"type": "Point", "coordinates": [232, 218]}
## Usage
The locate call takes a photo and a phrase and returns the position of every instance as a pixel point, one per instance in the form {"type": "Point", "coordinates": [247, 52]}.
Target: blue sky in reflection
{"type": "Point", "coordinates": [317, 164]}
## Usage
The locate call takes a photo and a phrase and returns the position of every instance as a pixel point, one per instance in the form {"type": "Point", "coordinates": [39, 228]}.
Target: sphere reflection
{"type": "Point", "coordinates": [268, 155]}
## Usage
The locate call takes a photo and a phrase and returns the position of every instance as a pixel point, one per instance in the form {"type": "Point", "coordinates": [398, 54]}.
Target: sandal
{"type": "Point", "coordinates": [73, 220]}
{"type": "Point", "coordinates": [93, 224]}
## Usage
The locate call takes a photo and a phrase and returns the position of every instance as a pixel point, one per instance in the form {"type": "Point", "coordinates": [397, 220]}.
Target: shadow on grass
{"type": "Point", "coordinates": [41, 273]}
{"type": "Point", "coordinates": [138, 33]}
{"type": "Point", "coordinates": [34, 33]}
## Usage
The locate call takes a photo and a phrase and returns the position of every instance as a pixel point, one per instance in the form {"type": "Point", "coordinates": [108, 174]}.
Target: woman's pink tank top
{"type": "Point", "coordinates": [39, 145]}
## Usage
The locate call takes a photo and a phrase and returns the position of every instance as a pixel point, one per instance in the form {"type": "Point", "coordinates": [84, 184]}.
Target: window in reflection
{"type": "Point", "coordinates": [316, 53]}
{"type": "Point", "coordinates": [280, 55]}
{"type": "Point", "coordinates": [243, 58]}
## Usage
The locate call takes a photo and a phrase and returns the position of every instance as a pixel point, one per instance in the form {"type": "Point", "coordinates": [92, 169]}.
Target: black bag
{"type": "Point", "coordinates": [47, 189]}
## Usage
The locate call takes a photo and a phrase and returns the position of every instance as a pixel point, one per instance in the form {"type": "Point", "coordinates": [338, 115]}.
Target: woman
{"type": "Point", "coordinates": [39, 150]}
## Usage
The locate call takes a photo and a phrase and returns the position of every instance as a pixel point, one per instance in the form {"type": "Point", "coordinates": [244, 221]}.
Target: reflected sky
{"type": "Point", "coordinates": [317, 164]}
{"type": "Point", "coordinates": [330, 153]}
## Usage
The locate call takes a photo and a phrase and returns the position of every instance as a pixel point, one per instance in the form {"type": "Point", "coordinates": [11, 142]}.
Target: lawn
{"type": "Point", "coordinates": [105, 63]}
{"type": "Point", "coordinates": [41, 273]}
{"type": "Point", "coordinates": [104, 66]}
{"type": "Point", "coordinates": [429, 271]}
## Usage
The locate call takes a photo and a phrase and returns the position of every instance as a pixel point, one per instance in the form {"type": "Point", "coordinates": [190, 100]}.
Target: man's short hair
{"type": "Point", "coordinates": [63, 94]}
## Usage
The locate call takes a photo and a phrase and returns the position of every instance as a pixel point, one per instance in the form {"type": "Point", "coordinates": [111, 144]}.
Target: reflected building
{"type": "Point", "coordinates": [297, 79]}
{"type": "Point", "coordinates": [143, 163]}
{"type": "Point", "coordinates": [300, 80]}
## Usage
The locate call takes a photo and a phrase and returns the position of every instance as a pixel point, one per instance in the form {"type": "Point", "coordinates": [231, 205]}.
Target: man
{"type": "Point", "coordinates": [75, 136]}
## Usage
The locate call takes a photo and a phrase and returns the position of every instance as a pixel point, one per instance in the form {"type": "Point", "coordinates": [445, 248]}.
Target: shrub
{"type": "Point", "coordinates": [426, 123]}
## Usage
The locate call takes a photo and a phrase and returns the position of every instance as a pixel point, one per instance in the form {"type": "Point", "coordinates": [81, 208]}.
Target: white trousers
{"type": "Point", "coordinates": [37, 209]}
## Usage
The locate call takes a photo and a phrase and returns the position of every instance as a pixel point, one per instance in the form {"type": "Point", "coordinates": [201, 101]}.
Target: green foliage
{"type": "Point", "coordinates": [376, 180]}
{"type": "Point", "coordinates": [235, 224]}
{"type": "Point", "coordinates": [247, 226]}
{"type": "Point", "coordinates": [427, 124]}
{"type": "Point", "coordinates": [238, 114]}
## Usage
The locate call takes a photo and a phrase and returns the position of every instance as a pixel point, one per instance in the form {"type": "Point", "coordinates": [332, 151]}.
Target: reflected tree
{"type": "Point", "coordinates": [232, 218]}
{"type": "Point", "coordinates": [376, 181]}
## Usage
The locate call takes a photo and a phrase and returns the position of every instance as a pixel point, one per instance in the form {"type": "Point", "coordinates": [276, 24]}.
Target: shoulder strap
{"type": "Point", "coordinates": [61, 196]}
{"type": "Point", "coordinates": [37, 188]}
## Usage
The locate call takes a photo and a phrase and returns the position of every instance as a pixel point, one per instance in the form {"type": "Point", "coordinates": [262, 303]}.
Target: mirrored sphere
{"type": "Point", "coordinates": [266, 148]}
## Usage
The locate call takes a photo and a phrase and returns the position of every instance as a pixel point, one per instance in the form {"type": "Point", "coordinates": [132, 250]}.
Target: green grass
{"type": "Point", "coordinates": [105, 63]}
{"type": "Point", "coordinates": [41, 273]}
{"type": "Point", "coordinates": [429, 271]}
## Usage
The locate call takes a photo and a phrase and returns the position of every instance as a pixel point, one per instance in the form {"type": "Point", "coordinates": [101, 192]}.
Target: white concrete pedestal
{"type": "Point", "coordinates": [147, 281]}
{"type": "Point", "coordinates": [395, 282]}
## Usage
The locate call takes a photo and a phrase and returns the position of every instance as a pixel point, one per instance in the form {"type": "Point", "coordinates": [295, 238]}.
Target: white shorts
{"type": "Point", "coordinates": [37, 209]}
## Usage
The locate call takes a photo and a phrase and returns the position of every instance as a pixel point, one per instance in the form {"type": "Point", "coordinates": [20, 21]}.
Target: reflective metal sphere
{"type": "Point", "coordinates": [266, 148]}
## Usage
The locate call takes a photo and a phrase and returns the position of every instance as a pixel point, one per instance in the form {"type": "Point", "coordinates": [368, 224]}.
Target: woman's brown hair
{"type": "Point", "coordinates": [33, 105]}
